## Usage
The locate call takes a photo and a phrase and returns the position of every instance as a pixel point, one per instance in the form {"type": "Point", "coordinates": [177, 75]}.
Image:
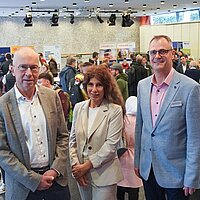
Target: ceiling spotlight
{"type": "Point", "coordinates": [110, 5]}
{"type": "Point", "coordinates": [100, 19]}
{"type": "Point", "coordinates": [126, 20]}
{"type": "Point", "coordinates": [194, 2]}
{"type": "Point", "coordinates": [71, 19]}
{"type": "Point", "coordinates": [144, 5]}
{"type": "Point", "coordinates": [64, 8]}
{"type": "Point", "coordinates": [54, 19]}
{"type": "Point", "coordinates": [174, 6]}
{"type": "Point", "coordinates": [98, 8]}
{"type": "Point", "coordinates": [74, 4]}
{"type": "Point", "coordinates": [28, 19]}
{"type": "Point", "coordinates": [111, 20]}
{"type": "Point", "coordinates": [162, 2]}
{"type": "Point", "coordinates": [126, 1]}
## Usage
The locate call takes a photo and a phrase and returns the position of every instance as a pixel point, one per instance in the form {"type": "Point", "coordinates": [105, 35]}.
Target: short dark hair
{"type": "Point", "coordinates": [46, 76]}
{"type": "Point", "coordinates": [8, 56]}
{"type": "Point", "coordinates": [95, 54]}
{"type": "Point", "coordinates": [87, 64]}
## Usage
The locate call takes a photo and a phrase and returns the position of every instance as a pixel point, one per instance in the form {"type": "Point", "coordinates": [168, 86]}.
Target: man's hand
{"type": "Point", "coordinates": [188, 191]}
{"type": "Point", "coordinates": [137, 172]}
{"type": "Point", "coordinates": [51, 172]}
{"type": "Point", "coordinates": [80, 170]}
{"type": "Point", "coordinates": [46, 182]}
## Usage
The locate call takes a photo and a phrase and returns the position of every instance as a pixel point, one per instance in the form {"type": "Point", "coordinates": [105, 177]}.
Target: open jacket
{"type": "Point", "coordinates": [14, 154]}
{"type": "Point", "coordinates": [102, 141]}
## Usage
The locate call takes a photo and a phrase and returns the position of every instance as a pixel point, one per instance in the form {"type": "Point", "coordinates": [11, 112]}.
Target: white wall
{"type": "Point", "coordinates": [177, 32]}
{"type": "Point", "coordinates": [85, 35]}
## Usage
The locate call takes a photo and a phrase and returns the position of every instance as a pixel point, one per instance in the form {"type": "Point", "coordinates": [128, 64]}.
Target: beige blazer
{"type": "Point", "coordinates": [102, 141]}
{"type": "Point", "coordinates": [14, 155]}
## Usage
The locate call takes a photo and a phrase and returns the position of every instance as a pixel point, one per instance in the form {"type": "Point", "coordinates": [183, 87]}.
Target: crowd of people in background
{"type": "Point", "coordinates": [93, 95]}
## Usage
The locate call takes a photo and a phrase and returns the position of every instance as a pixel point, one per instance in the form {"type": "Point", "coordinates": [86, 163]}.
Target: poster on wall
{"type": "Point", "coordinates": [182, 46]}
{"type": "Point", "coordinates": [108, 50]}
{"type": "Point", "coordinates": [3, 51]}
{"type": "Point", "coordinates": [53, 52]}
{"type": "Point", "coordinates": [124, 50]}
{"type": "Point", "coordinates": [15, 48]}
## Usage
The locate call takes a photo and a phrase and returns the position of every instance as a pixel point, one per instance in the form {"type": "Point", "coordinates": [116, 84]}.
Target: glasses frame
{"type": "Point", "coordinates": [161, 52]}
{"type": "Point", "coordinates": [25, 67]}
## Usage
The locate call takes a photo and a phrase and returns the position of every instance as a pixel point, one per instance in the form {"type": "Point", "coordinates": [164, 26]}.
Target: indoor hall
{"type": "Point", "coordinates": [113, 29]}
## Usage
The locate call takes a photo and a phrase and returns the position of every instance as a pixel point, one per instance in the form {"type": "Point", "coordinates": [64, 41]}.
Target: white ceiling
{"type": "Point", "coordinates": [11, 7]}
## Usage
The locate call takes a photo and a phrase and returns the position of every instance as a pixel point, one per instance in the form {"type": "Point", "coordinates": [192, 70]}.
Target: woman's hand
{"type": "Point", "coordinates": [82, 181]}
{"type": "Point", "coordinates": [80, 170]}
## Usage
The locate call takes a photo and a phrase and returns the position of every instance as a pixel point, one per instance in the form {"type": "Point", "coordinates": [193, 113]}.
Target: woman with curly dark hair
{"type": "Point", "coordinates": [96, 130]}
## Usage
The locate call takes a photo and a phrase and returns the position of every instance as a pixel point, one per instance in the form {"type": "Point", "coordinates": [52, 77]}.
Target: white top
{"type": "Point", "coordinates": [91, 118]}
{"type": "Point", "coordinates": [34, 126]}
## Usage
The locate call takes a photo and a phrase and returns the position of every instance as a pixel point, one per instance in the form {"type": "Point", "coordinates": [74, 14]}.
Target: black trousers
{"type": "Point", "coordinates": [133, 193]}
{"type": "Point", "coordinates": [57, 192]}
{"type": "Point", "coordinates": [154, 192]}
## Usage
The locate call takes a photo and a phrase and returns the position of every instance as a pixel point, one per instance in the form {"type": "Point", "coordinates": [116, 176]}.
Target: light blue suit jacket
{"type": "Point", "coordinates": [102, 140]}
{"type": "Point", "coordinates": [172, 146]}
{"type": "Point", "coordinates": [14, 154]}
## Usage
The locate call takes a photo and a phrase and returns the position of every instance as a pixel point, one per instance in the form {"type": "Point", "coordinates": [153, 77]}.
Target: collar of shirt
{"type": "Point", "coordinates": [166, 81]}
{"type": "Point", "coordinates": [21, 98]}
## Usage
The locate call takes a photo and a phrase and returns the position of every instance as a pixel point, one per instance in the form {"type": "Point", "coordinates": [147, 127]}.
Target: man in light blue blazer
{"type": "Point", "coordinates": [33, 136]}
{"type": "Point", "coordinates": [167, 138]}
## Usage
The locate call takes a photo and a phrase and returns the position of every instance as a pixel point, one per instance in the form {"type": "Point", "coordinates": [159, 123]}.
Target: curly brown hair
{"type": "Point", "coordinates": [112, 92]}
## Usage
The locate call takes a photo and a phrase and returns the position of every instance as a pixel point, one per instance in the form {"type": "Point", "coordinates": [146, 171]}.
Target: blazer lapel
{"type": "Point", "coordinates": [14, 110]}
{"type": "Point", "coordinates": [148, 104]}
{"type": "Point", "coordinates": [172, 90]}
{"type": "Point", "coordinates": [47, 110]}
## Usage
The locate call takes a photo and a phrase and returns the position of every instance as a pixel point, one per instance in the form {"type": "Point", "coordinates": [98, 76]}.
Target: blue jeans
{"type": "Point", "coordinates": [57, 192]}
{"type": "Point", "coordinates": [154, 192]}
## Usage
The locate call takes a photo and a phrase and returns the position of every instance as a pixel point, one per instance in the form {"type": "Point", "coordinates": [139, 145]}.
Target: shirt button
{"type": "Point", "coordinates": [150, 149]}
{"type": "Point", "coordinates": [90, 148]}
{"type": "Point", "coordinates": [156, 115]}
{"type": "Point", "coordinates": [156, 102]}
{"type": "Point", "coordinates": [34, 116]}
{"type": "Point", "coordinates": [158, 90]}
{"type": "Point", "coordinates": [43, 155]}
{"type": "Point", "coordinates": [38, 129]}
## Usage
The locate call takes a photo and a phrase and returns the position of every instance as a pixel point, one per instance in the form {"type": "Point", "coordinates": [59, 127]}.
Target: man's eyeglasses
{"type": "Point", "coordinates": [161, 52]}
{"type": "Point", "coordinates": [24, 67]}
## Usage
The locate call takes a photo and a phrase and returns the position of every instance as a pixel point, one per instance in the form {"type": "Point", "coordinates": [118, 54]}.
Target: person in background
{"type": "Point", "coordinates": [41, 56]}
{"type": "Point", "coordinates": [144, 62]}
{"type": "Point", "coordinates": [94, 59]}
{"type": "Point", "coordinates": [53, 67]}
{"type": "Point", "coordinates": [183, 66]}
{"type": "Point", "coordinates": [105, 62]}
{"type": "Point", "coordinates": [125, 65]}
{"type": "Point", "coordinates": [131, 182]}
{"type": "Point", "coordinates": [167, 150]}
{"type": "Point", "coordinates": [9, 79]}
{"type": "Point", "coordinates": [76, 90]}
{"type": "Point", "coordinates": [121, 78]}
{"type": "Point", "coordinates": [6, 63]}
{"type": "Point", "coordinates": [46, 80]}
{"type": "Point", "coordinates": [96, 131]}
{"type": "Point", "coordinates": [193, 71]}
{"type": "Point", "coordinates": [67, 73]}
{"type": "Point", "coordinates": [33, 135]}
